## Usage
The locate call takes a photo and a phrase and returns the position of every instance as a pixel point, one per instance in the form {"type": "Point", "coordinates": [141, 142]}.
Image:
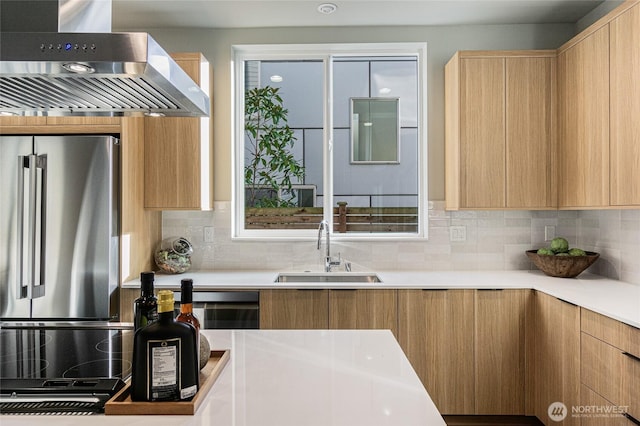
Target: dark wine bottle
{"type": "Point", "coordinates": [145, 307]}
{"type": "Point", "coordinates": [165, 362]}
{"type": "Point", "coordinates": [186, 310]}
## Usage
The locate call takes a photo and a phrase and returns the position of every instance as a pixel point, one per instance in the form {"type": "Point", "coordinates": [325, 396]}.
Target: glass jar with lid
{"type": "Point", "coordinates": [173, 255]}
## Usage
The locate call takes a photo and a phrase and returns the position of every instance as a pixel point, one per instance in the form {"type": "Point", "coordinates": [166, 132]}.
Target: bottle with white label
{"type": "Point", "coordinates": [165, 362]}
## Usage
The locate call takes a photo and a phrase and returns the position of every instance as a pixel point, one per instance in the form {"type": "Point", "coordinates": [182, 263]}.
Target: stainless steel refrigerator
{"type": "Point", "coordinates": [59, 215]}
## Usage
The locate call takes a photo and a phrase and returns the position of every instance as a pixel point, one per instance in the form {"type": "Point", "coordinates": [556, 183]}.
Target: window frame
{"type": "Point", "coordinates": [325, 53]}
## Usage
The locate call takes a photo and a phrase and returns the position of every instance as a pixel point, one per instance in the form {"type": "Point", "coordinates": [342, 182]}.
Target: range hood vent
{"type": "Point", "coordinates": [71, 73]}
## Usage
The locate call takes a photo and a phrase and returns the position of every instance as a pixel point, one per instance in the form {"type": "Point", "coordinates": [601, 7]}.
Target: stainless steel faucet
{"type": "Point", "coordinates": [329, 262]}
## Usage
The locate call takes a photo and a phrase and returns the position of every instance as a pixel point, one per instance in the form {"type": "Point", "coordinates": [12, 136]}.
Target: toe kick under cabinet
{"type": "Point", "coordinates": [610, 372]}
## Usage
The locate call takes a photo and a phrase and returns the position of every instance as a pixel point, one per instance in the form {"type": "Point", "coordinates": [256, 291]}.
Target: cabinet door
{"type": "Point", "coordinates": [556, 353]}
{"type": "Point", "coordinates": [177, 156]}
{"type": "Point", "coordinates": [530, 143]}
{"type": "Point", "coordinates": [583, 85]}
{"type": "Point", "coordinates": [435, 330]}
{"type": "Point", "coordinates": [500, 351]}
{"type": "Point", "coordinates": [294, 309]}
{"type": "Point", "coordinates": [363, 309]}
{"type": "Point", "coordinates": [625, 108]}
{"type": "Point", "coordinates": [482, 136]}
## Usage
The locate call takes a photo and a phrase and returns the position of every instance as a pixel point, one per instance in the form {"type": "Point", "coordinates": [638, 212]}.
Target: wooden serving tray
{"type": "Point", "coordinates": [121, 403]}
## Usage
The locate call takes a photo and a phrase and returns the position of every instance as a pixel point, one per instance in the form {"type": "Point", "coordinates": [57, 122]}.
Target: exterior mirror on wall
{"type": "Point", "coordinates": [375, 130]}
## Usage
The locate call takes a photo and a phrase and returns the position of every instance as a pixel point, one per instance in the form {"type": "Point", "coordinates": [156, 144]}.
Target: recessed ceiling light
{"type": "Point", "coordinates": [276, 78]}
{"type": "Point", "coordinates": [384, 91]}
{"type": "Point", "coordinates": [327, 8]}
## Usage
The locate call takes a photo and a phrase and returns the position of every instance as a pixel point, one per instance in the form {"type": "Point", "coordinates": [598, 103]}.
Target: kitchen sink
{"type": "Point", "coordinates": [327, 277]}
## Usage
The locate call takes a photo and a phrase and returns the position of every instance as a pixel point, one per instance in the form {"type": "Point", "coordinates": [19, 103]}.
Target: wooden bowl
{"type": "Point", "coordinates": [562, 266]}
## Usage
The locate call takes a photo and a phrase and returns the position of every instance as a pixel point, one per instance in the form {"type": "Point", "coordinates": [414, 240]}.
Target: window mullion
{"type": "Point", "coordinates": [327, 162]}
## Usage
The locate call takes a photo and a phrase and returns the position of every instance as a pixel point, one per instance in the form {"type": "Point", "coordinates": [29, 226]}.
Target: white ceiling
{"type": "Point", "coordinates": [141, 14]}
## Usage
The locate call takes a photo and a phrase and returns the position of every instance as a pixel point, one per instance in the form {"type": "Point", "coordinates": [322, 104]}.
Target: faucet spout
{"type": "Point", "coordinates": [328, 261]}
{"type": "Point", "coordinates": [324, 225]}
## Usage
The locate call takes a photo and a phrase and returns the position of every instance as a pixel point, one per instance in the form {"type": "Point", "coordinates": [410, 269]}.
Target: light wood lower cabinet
{"type": "Point", "coordinates": [363, 309]}
{"type": "Point", "coordinates": [601, 367]}
{"type": "Point", "coordinates": [323, 309]}
{"type": "Point", "coordinates": [556, 353]}
{"type": "Point", "coordinates": [486, 352]}
{"type": "Point", "coordinates": [610, 363]}
{"type": "Point", "coordinates": [435, 330]}
{"type": "Point", "coordinates": [468, 347]}
{"type": "Point", "coordinates": [596, 411]}
{"type": "Point", "coordinates": [500, 340]}
{"type": "Point", "coordinates": [294, 309]}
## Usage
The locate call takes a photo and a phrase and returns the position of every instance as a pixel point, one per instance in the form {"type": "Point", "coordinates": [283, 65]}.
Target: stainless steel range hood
{"type": "Point", "coordinates": [89, 73]}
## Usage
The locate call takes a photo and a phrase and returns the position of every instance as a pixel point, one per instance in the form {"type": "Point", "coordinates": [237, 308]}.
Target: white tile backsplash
{"type": "Point", "coordinates": [495, 240]}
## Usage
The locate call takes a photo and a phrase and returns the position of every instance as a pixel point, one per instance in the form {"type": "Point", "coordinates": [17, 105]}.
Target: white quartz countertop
{"type": "Point", "coordinates": [294, 378]}
{"type": "Point", "coordinates": [615, 299]}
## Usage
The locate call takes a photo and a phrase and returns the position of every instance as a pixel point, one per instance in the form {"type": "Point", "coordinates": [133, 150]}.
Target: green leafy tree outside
{"type": "Point", "coordinates": [270, 163]}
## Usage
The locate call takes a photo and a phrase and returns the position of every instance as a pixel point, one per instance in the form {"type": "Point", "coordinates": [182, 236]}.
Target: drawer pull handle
{"type": "Point", "coordinates": [631, 356]}
{"type": "Point", "coordinates": [631, 418]}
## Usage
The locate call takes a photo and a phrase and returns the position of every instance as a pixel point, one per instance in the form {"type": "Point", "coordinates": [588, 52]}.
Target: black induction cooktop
{"type": "Point", "coordinates": [65, 353]}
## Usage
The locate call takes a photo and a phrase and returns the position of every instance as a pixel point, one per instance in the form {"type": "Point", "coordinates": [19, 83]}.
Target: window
{"type": "Point", "coordinates": [330, 132]}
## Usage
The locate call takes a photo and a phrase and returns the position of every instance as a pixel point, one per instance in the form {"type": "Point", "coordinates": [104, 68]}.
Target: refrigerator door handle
{"type": "Point", "coordinates": [21, 293]}
{"type": "Point", "coordinates": [31, 272]}
{"type": "Point", "coordinates": [38, 283]}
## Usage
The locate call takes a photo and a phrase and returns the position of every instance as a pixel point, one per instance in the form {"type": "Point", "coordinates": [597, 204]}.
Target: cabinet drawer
{"type": "Point", "coordinates": [613, 332]}
{"type": "Point", "coordinates": [597, 411]}
{"type": "Point", "coordinates": [630, 394]}
{"type": "Point", "coordinates": [601, 368]}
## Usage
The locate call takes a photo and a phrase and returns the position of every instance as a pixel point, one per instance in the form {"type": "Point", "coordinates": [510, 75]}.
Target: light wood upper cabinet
{"type": "Point", "coordinates": [482, 137]}
{"type": "Point", "coordinates": [436, 332]}
{"type": "Point", "coordinates": [363, 309]}
{"type": "Point", "coordinates": [500, 340]}
{"type": "Point", "coordinates": [530, 132]}
{"type": "Point", "coordinates": [583, 73]}
{"type": "Point", "coordinates": [599, 94]}
{"type": "Point", "coordinates": [556, 356]}
{"type": "Point", "coordinates": [499, 130]}
{"type": "Point", "coordinates": [294, 309]}
{"type": "Point", "coordinates": [178, 152]}
{"type": "Point", "coordinates": [624, 38]}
